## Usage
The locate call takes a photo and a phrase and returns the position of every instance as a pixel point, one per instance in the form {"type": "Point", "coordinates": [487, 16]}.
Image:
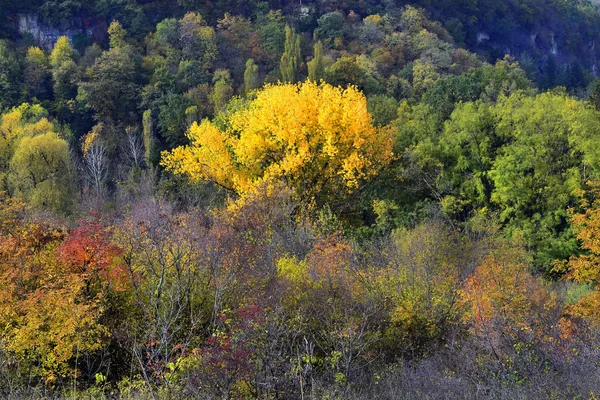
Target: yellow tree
{"type": "Point", "coordinates": [319, 139]}
{"type": "Point", "coordinates": [20, 122]}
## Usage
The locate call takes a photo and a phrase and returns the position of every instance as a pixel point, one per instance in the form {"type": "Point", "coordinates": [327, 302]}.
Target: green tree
{"type": "Point", "coordinates": [504, 78]}
{"type": "Point", "coordinates": [36, 74]}
{"type": "Point", "coordinates": [425, 75]}
{"type": "Point", "coordinates": [148, 135]}
{"type": "Point", "coordinates": [197, 40]}
{"type": "Point", "coordinates": [550, 151]}
{"type": "Point", "coordinates": [41, 173]}
{"type": "Point", "coordinates": [61, 53]}
{"type": "Point", "coordinates": [116, 35]}
{"type": "Point", "coordinates": [316, 66]}
{"type": "Point", "coordinates": [222, 90]}
{"type": "Point", "coordinates": [331, 26]}
{"type": "Point", "coordinates": [172, 121]}
{"type": "Point", "coordinates": [166, 32]}
{"type": "Point", "coordinates": [64, 76]}
{"type": "Point", "coordinates": [594, 94]}
{"type": "Point", "coordinates": [271, 28]}
{"type": "Point", "coordinates": [9, 76]}
{"type": "Point", "coordinates": [384, 109]}
{"type": "Point", "coordinates": [346, 71]}
{"type": "Point", "coordinates": [111, 88]}
{"type": "Point", "coordinates": [251, 79]}
{"type": "Point", "coordinates": [290, 60]}
{"type": "Point", "coordinates": [468, 147]}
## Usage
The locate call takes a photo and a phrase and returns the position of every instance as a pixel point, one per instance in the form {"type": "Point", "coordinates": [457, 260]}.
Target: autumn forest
{"type": "Point", "coordinates": [369, 199]}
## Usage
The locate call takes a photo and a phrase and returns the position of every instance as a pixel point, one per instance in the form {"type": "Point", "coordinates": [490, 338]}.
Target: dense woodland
{"type": "Point", "coordinates": [300, 200]}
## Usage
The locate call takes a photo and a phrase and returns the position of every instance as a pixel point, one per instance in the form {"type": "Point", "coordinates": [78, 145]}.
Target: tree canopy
{"type": "Point", "coordinates": [318, 139]}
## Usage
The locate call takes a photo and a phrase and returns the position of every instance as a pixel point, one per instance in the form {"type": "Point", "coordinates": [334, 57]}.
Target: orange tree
{"type": "Point", "coordinates": [319, 139]}
{"type": "Point", "coordinates": [585, 267]}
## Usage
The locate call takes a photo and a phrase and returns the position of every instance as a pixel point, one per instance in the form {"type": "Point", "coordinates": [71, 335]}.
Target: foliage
{"type": "Point", "coordinates": [537, 174]}
{"type": "Point", "coordinates": [583, 268]}
{"type": "Point", "coordinates": [420, 283]}
{"type": "Point", "coordinates": [40, 172]}
{"type": "Point", "coordinates": [290, 60]}
{"type": "Point", "coordinates": [320, 140]}
{"type": "Point", "coordinates": [393, 226]}
{"type": "Point", "coordinates": [9, 76]}
{"type": "Point", "coordinates": [35, 162]}
{"type": "Point", "coordinates": [37, 73]}
{"type": "Point", "coordinates": [251, 79]}
{"type": "Point", "coordinates": [111, 89]}
{"type": "Point", "coordinates": [50, 316]}
{"type": "Point", "coordinates": [512, 313]}
{"type": "Point", "coordinates": [316, 67]}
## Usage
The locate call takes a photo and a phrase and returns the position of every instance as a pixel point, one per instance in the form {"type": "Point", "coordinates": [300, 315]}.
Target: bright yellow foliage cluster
{"type": "Point", "coordinates": [318, 139]}
{"type": "Point", "coordinates": [88, 141]}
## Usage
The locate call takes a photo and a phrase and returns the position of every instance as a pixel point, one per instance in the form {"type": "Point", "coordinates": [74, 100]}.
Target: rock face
{"type": "Point", "coordinates": [46, 36]}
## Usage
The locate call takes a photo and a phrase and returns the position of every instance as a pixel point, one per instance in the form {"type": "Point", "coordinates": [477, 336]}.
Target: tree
{"type": "Point", "coordinates": [271, 28]}
{"type": "Point", "coordinates": [594, 94]}
{"type": "Point", "coordinates": [222, 90]}
{"type": "Point", "coordinates": [251, 79]}
{"type": "Point", "coordinates": [346, 71]}
{"type": "Point", "coordinates": [197, 40]}
{"type": "Point", "coordinates": [420, 282]}
{"type": "Point", "coordinates": [290, 60]}
{"type": "Point", "coordinates": [111, 87]}
{"type": "Point", "coordinates": [549, 153]}
{"type": "Point", "coordinates": [55, 290]}
{"type": "Point", "coordinates": [331, 26]}
{"type": "Point", "coordinates": [41, 172]}
{"type": "Point", "coordinates": [63, 69]}
{"type": "Point", "coordinates": [62, 52]}
{"type": "Point", "coordinates": [172, 283]}
{"type": "Point", "coordinates": [509, 312]}
{"type": "Point", "coordinates": [318, 139]}
{"type": "Point", "coordinates": [20, 122]}
{"type": "Point", "coordinates": [316, 67]}
{"type": "Point", "coordinates": [505, 77]}
{"type": "Point", "coordinates": [116, 35]}
{"type": "Point", "coordinates": [425, 75]}
{"type": "Point", "coordinates": [148, 136]}
{"type": "Point", "coordinates": [332, 307]}
{"type": "Point", "coordinates": [64, 75]}
{"type": "Point", "coordinates": [172, 121]}
{"type": "Point", "coordinates": [583, 268]}
{"type": "Point", "coordinates": [36, 74]}
{"type": "Point", "coordinates": [9, 77]}
{"type": "Point", "coordinates": [95, 157]}
{"type": "Point", "coordinates": [384, 109]}
{"type": "Point", "coordinates": [166, 32]}
{"type": "Point", "coordinates": [468, 147]}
